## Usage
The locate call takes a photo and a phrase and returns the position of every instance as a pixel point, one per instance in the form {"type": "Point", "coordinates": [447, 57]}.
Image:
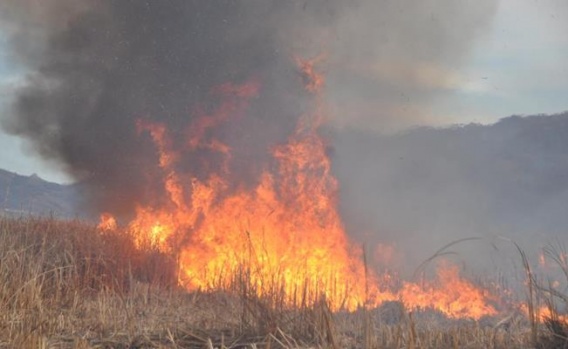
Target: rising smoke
{"type": "Point", "coordinates": [95, 67]}
{"type": "Point", "coordinates": [421, 189]}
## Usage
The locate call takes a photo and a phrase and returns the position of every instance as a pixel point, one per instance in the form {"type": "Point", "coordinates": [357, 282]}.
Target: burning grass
{"type": "Point", "coordinates": [210, 262]}
{"type": "Point", "coordinates": [67, 285]}
{"type": "Point", "coordinates": [280, 236]}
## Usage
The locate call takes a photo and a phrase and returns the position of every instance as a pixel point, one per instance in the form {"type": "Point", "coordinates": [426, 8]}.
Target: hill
{"type": "Point", "coordinates": [24, 195]}
{"type": "Point", "coordinates": [422, 188]}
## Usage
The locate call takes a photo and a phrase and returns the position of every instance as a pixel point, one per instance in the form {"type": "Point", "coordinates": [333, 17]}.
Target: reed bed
{"type": "Point", "coordinates": [65, 284]}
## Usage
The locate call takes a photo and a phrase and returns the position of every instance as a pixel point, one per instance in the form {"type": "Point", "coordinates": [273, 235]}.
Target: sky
{"type": "Point", "coordinates": [520, 66]}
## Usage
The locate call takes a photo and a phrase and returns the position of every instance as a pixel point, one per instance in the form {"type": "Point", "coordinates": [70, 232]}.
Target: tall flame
{"type": "Point", "coordinates": [285, 234]}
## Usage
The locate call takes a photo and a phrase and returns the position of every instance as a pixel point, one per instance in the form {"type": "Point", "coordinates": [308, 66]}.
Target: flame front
{"type": "Point", "coordinates": [452, 295]}
{"type": "Point", "coordinates": [107, 222]}
{"type": "Point", "coordinates": [285, 234]}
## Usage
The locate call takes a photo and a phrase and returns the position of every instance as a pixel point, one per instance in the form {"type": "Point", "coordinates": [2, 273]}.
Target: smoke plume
{"type": "Point", "coordinates": [422, 189]}
{"type": "Point", "coordinates": [93, 68]}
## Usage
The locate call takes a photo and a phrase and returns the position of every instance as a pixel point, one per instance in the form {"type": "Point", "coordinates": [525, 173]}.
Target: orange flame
{"type": "Point", "coordinates": [544, 312]}
{"type": "Point", "coordinates": [107, 222]}
{"type": "Point", "coordinates": [284, 235]}
{"type": "Point", "coordinates": [313, 81]}
{"type": "Point", "coordinates": [452, 295]}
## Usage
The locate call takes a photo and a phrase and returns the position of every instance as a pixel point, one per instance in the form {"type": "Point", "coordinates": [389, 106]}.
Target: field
{"type": "Point", "coordinates": [68, 285]}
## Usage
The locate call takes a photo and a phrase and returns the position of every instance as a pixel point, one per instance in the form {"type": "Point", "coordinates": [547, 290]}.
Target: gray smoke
{"type": "Point", "coordinates": [422, 189]}
{"type": "Point", "coordinates": [95, 67]}
{"type": "Point", "coordinates": [393, 58]}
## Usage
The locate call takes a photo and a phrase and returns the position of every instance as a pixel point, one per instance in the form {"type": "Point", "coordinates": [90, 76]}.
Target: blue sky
{"type": "Point", "coordinates": [519, 67]}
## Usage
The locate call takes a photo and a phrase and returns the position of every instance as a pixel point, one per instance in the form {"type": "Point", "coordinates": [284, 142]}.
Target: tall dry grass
{"type": "Point", "coordinates": [68, 285]}
{"type": "Point", "coordinates": [554, 333]}
{"type": "Point", "coordinates": [53, 272]}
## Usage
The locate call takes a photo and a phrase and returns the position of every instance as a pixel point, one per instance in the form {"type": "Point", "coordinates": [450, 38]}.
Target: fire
{"type": "Point", "coordinates": [282, 236]}
{"type": "Point", "coordinates": [313, 81]}
{"type": "Point", "coordinates": [544, 312]}
{"type": "Point", "coordinates": [107, 222]}
{"type": "Point", "coordinates": [452, 296]}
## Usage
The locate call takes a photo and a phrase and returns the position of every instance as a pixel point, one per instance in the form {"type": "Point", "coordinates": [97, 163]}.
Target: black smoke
{"type": "Point", "coordinates": [93, 68]}
{"type": "Point", "coordinates": [107, 64]}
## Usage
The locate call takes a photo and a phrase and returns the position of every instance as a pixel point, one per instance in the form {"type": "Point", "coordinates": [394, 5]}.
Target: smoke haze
{"type": "Point", "coordinates": [422, 189]}
{"type": "Point", "coordinates": [93, 68]}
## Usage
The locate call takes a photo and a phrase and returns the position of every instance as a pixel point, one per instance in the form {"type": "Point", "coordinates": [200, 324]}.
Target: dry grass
{"type": "Point", "coordinates": [66, 285]}
{"type": "Point", "coordinates": [555, 332]}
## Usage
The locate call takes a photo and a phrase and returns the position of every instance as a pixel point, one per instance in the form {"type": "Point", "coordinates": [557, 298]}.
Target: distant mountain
{"type": "Point", "coordinates": [429, 186]}
{"type": "Point", "coordinates": [23, 195]}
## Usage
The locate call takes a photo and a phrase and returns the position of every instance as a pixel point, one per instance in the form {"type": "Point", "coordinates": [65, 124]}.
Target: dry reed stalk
{"type": "Point", "coordinates": [68, 285]}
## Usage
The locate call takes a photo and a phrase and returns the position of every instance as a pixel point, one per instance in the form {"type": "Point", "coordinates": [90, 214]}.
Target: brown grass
{"type": "Point", "coordinates": [555, 332]}
{"type": "Point", "coordinates": [67, 285]}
